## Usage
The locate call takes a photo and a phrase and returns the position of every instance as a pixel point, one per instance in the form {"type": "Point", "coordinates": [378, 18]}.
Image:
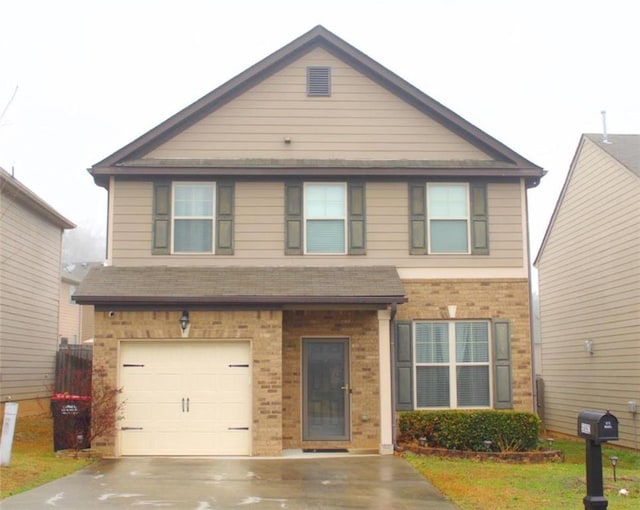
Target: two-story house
{"type": "Point", "coordinates": [302, 252]}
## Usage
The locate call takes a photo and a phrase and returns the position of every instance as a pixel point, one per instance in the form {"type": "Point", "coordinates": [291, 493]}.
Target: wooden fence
{"type": "Point", "coordinates": [73, 370]}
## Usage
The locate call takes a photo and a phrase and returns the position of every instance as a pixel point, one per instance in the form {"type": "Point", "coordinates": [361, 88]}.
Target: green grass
{"type": "Point", "coordinates": [473, 484]}
{"type": "Point", "coordinates": [33, 461]}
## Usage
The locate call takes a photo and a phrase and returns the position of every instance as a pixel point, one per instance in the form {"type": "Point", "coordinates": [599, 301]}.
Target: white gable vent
{"type": "Point", "coordinates": [318, 81]}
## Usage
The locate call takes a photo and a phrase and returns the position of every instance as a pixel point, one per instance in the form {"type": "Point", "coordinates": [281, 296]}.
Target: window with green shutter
{"type": "Point", "coordinates": [452, 364]}
{"type": "Point", "coordinates": [448, 218]}
{"type": "Point", "coordinates": [325, 218]}
{"type": "Point", "coordinates": [193, 217]}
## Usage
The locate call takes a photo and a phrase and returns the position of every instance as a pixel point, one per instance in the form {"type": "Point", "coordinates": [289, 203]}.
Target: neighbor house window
{"type": "Point", "coordinates": [193, 217]}
{"type": "Point", "coordinates": [325, 216]}
{"type": "Point", "coordinates": [452, 364]}
{"type": "Point", "coordinates": [448, 218]}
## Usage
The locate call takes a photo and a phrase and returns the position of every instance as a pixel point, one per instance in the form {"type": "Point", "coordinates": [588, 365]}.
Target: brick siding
{"type": "Point", "coordinates": [481, 299]}
{"type": "Point", "coordinates": [361, 328]}
{"type": "Point", "coordinates": [263, 328]}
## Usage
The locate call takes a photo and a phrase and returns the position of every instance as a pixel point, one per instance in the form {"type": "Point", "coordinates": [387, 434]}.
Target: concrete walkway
{"type": "Point", "coordinates": [371, 482]}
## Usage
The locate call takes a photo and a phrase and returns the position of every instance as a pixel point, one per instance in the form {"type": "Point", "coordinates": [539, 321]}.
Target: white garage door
{"type": "Point", "coordinates": [185, 398]}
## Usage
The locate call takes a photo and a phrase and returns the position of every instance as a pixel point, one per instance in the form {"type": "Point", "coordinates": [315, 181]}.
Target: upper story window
{"type": "Point", "coordinates": [193, 217]}
{"type": "Point", "coordinates": [318, 81]}
{"type": "Point", "coordinates": [448, 213]}
{"type": "Point", "coordinates": [325, 214]}
{"type": "Point", "coordinates": [325, 218]}
{"type": "Point", "coordinates": [448, 218]}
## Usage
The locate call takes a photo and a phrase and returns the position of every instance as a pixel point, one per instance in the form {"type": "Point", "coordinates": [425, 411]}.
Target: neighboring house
{"type": "Point", "coordinates": [76, 322]}
{"type": "Point", "coordinates": [305, 250]}
{"type": "Point", "coordinates": [30, 251]}
{"type": "Point", "coordinates": [589, 281]}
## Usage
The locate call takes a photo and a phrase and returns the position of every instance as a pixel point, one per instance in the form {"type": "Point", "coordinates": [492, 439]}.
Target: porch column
{"type": "Point", "coordinates": [384, 356]}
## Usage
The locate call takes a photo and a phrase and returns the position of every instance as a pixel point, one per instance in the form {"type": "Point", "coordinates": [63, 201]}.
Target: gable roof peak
{"type": "Point", "coordinates": [317, 36]}
{"type": "Point", "coordinates": [623, 148]}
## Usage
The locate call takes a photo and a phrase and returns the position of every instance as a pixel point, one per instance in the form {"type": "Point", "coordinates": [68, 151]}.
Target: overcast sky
{"type": "Point", "coordinates": [93, 76]}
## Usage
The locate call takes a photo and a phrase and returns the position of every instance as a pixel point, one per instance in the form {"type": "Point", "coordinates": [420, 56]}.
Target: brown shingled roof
{"type": "Point", "coordinates": [277, 286]}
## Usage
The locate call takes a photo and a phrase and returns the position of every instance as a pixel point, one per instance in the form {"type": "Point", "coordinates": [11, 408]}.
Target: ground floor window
{"type": "Point", "coordinates": [452, 364]}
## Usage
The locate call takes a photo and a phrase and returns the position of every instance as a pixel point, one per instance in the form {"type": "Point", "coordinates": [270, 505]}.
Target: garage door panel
{"type": "Point", "coordinates": [157, 376]}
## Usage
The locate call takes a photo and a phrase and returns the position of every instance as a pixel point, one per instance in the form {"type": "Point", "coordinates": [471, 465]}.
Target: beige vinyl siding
{"type": "Point", "coordinates": [69, 315]}
{"type": "Point", "coordinates": [360, 120]}
{"type": "Point", "coordinates": [30, 251]}
{"type": "Point", "coordinates": [259, 229]}
{"type": "Point", "coordinates": [589, 278]}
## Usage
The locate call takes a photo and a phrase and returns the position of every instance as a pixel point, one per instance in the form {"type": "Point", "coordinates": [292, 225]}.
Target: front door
{"type": "Point", "coordinates": [326, 391]}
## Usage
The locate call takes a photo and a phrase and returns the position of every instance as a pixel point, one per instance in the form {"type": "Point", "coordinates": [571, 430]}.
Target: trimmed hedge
{"type": "Point", "coordinates": [508, 431]}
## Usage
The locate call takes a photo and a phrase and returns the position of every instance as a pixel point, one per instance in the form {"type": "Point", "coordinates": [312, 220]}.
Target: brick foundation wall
{"type": "Point", "coordinates": [263, 328]}
{"type": "Point", "coordinates": [362, 330]}
{"type": "Point", "coordinates": [481, 299]}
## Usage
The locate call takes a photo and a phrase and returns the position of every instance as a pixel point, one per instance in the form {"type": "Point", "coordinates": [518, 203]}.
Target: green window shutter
{"type": "Point", "coordinates": [417, 219]}
{"type": "Point", "coordinates": [357, 216]}
{"type": "Point", "coordinates": [479, 219]}
{"type": "Point", "coordinates": [161, 218]}
{"type": "Point", "coordinates": [293, 218]}
{"type": "Point", "coordinates": [404, 366]}
{"type": "Point", "coordinates": [224, 218]}
{"type": "Point", "coordinates": [502, 364]}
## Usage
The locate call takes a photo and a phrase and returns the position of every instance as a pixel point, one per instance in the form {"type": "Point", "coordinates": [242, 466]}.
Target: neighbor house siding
{"type": "Point", "coordinates": [360, 120]}
{"type": "Point", "coordinates": [30, 253]}
{"type": "Point", "coordinates": [590, 290]}
{"type": "Point", "coordinates": [69, 321]}
{"type": "Point", "coordinates": [259, 229]}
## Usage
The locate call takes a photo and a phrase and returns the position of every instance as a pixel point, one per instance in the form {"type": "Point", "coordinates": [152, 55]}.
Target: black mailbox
{"type": "Point", "coordinates": [598, 426]}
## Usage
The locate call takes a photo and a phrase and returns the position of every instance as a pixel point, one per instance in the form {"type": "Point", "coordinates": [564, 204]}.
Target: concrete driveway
{"type": "Point", "coordinates": [371, 482]}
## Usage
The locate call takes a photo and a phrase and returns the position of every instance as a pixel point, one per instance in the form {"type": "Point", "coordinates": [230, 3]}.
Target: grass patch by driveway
{"type": "Point", "coordinates": [473, 484]}
{"type": "Point", "coordinates": [33, 461]}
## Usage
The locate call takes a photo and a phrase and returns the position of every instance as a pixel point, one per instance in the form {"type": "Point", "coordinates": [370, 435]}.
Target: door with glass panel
{"type": "Point", "coordinates": [326, 389]}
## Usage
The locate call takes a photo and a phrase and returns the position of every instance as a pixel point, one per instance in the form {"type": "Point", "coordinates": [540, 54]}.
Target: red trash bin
{"type": "Point", "coordinates": [71, 421]}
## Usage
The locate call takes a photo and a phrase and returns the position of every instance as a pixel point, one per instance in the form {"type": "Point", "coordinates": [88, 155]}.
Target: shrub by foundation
{"type": "Point", "coordinates": [476, 430]}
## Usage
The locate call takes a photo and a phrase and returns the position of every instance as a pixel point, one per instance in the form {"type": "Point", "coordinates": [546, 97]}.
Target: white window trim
{"type": "Point", "coordinates": [466, 218]}
{"type": "Point", "coordinates": [174, 217]}
{"type": "Point", "coordinates": [452, 364]}
{"type": "Point", "coordinates": [307, 218]}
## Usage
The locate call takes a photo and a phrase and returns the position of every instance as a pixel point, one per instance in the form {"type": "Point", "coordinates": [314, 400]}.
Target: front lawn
{"type": "Point", "coordinates": [33, 461]}
{"type": "Point", "coordinates": [473, 484]}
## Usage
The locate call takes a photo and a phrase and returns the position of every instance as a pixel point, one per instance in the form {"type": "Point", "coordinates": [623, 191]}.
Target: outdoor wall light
{"type": "Point", "coordinates": [614, 462]}
{"type": "Point", "coordinates": [452, 309]}
{"type": "Point", "coordinates": [184, 321]}
{"type": "Point", "coordinates": [588, 346]}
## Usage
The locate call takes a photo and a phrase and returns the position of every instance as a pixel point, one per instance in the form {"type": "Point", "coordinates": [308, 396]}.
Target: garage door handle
{"type": "Point", "coordinates": [187, 404]}
{"type": "Point", "coordinates": [185, 408]}
{"type": "Point", "coordinates": [238, 428]}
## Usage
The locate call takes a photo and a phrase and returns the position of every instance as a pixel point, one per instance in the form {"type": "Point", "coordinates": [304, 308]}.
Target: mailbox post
{"type": "Point", "coordinates": [596, 427]}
